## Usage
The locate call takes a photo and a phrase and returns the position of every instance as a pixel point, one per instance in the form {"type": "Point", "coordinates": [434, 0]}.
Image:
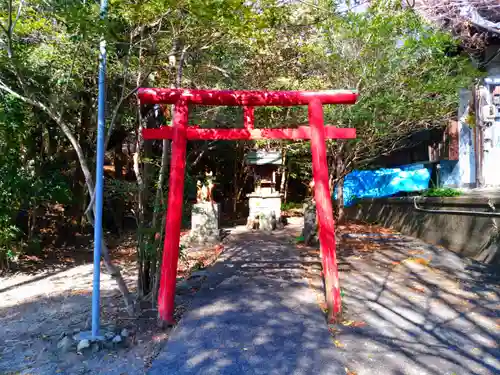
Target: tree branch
{"type": "Point", "coordinates": [13, 26]}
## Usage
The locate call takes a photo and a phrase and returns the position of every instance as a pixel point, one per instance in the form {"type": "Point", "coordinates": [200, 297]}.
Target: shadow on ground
{"type": "Point", "coordinates": [420, 309]}
{"type": "Point", "coordinates": [35, 313]}
{"type": "Point", "coordinates": [411, 308]}
{"type": "Point", "coordinates": [255, 314]}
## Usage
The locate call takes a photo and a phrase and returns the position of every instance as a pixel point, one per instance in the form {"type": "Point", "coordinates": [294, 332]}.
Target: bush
{"type": "Point", "coordinates": [441, 192]}
{"type": "Point", "coordinates": [29, 179]}
{"type": "Point", "coordinates": [8, 240]}
{"type": "Point", "coordinates": [290, 206]}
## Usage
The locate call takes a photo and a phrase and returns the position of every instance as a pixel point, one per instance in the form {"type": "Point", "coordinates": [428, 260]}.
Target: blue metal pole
{"type": "Point", "coordinates": [99, 180]}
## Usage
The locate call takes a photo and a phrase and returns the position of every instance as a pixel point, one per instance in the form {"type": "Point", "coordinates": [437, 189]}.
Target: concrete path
{"type": "Point", "coordinates": [254, 315]}
{"type": "Point", "coordinates": [410, 308]}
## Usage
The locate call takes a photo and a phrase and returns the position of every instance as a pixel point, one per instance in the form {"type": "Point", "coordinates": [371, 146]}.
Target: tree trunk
{"type": "Point", "coordinates": [284, 185]}
{"type": "Point", "coordinates": [284, 179]}
{"type": "Point", "coordinates": [157, 270]}
{"type": "Point", "coordinates": [113, 270]}
{"type": "Point", "coordinates": [140, 179]}
{"type": "Point", "coordinates": [58, 119]}
{"type": "Point", "coordinates": [235, 186]}
{"type": "Point", "coordinates": [80, 135]}
{"type": "Point", "coordinates": [339, 170]}
{"type": "Point", "coordinates": [116, 204]}
{"type": "Point", "coordinates": [139, 216]}
{"type": "Point", "coordinates": [158, 212]}
{"type": "Point", "coordinates": [118, 160]}
{"type": "Point", "coordinates": [340, 201]}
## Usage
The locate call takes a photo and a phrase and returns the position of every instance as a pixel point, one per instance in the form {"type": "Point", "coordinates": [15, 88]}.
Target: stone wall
{"type": "Point", "coordinates": [467, 234]}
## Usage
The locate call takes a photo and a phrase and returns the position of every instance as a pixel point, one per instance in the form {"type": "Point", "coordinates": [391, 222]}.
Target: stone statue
{"type": "Point", "coordinates": [209, 177]}
{"type": "Point", "coordinates": [310, 189]}
{"type": "Point", "coordinates": [199, 192]}
{"type": "Point", "coordinates": [204, 193]}
{"type": "Point", "coordinates": [204, 190]}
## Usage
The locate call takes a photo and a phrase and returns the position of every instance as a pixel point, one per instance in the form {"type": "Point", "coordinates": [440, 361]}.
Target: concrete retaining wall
{"type": "Point", "coordinates": [468, 235]}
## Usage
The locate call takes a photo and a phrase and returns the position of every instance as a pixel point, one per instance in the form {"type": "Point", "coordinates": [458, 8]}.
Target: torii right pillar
{"type": "Point", "coordinates": [324, 210]}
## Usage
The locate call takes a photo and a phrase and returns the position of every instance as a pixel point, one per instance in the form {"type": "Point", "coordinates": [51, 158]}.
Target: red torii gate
{"type": "Point", "coordinates": [179, 133]}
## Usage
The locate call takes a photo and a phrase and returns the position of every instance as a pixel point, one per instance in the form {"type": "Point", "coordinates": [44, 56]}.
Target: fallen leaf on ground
{"type": "Point", "coordinates": [80, 292]}
{"type": "Point", "coordinates": [323, 306]}
{"type": "Point", "coordinates": [422, 261]}
{"type": "Point", "coordinates": [333, 330]}
{"type": "Point", "coordinates": [359, 324]}
{"type": "Point", "coordinates": [353, 323]}
{"type": "Point", "coordinates": [338, 344]}
{"type": "Point", "coordinates": [416, 252]}
{"type": "Point", "coordinates": [160, 337]}
{"type": "Point", "coordinates": [418, 289]}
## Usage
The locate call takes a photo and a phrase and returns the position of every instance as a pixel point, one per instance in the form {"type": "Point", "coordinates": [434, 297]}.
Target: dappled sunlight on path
{"type": "Point", "coordinates": [425, 309]}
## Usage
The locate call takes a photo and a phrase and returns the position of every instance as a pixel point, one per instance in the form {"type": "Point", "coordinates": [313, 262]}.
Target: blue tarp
{"type": "Point", "coordinates": [384, 182]}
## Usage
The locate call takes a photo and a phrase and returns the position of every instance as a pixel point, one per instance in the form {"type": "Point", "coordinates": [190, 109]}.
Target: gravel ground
{"type": "Point", "coordinates": [409, 308]}
{"type": "Point", "coordinates": [37, 309]}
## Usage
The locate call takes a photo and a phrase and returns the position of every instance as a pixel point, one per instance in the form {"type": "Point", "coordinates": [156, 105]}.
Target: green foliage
{"type": "Point", "coordinates": [8, 236]}
{"type": "Point", "coordinates": [27, 180]}
{"type": "Point", "coordinates": [291, 206]}
{"type": "Point", "coordinates": [441, 192]}
{"type": "Point", "coordinates": [183, 253]}
{"type": "Point", "coordinates": [398, 63]}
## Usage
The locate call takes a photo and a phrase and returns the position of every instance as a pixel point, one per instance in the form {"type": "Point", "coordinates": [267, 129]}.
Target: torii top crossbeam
{"type": "Point", "coordinates": [180, 132]}
{"type": "Point", "coordinates": [245, 98]}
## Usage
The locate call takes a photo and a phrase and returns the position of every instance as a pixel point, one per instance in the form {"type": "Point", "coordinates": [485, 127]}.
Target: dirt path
{"type": "Point", "coordinates": [410, 308]}
{"type": "Point", "coordinates": [35, 311]}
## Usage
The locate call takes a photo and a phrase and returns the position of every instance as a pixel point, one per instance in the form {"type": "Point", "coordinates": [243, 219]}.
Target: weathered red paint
{"type": "Point", "coordinates": [180, 133]}
{"type": "Point", "coordinates": [245, 98]}
{"type": "Point", "coordinates": [302, 132]}
{"type": "Point", "coordinates": [324, 210]}
{"type": "Point", "coordinates": [166, 293]}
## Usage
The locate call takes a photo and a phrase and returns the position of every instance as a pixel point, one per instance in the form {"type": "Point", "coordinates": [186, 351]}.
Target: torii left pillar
{"type": "Point", "coordinates": [180, 133]}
